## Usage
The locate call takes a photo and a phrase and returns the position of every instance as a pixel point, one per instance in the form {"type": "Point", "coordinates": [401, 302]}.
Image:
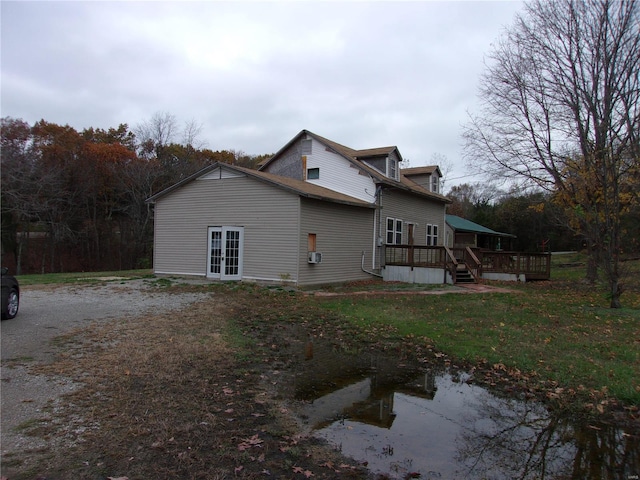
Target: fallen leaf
{"type": "Point", "coordinates": [247, 443]}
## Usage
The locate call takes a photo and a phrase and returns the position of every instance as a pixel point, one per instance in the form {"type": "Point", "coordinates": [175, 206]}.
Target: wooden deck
{"type": "Point", "coordinates": [480, 263]}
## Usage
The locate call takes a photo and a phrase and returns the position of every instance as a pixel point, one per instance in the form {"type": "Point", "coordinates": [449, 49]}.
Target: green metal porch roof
{"type": "Point", "coordinates": [460, 224]}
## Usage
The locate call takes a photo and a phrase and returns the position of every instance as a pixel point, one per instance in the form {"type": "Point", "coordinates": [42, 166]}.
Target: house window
{"type": "Point", "coordinates": [393, 168]}
{"type": "Point", "coordinates": [394, 231]}
{"type": "Point", "coordinates": [432, 234]}
{"type": "Point", "coordinates": [313, 173]}
{"type": "Point", "coordinates": [435, 183]}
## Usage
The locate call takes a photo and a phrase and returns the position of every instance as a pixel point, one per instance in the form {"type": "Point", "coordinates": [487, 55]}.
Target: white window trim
{"type": "Point", "coordinates": [392, 168]}
{"type": "Point", "coordinates": [432, 233]}
{"type": "Point", "coordinates": [395, 231]}
{"type": "Point", "coordinates": [435, 183]}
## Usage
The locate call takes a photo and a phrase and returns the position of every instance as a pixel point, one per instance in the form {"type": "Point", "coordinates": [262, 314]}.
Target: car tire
{"type": "Point", "coordinates": [10, 309]}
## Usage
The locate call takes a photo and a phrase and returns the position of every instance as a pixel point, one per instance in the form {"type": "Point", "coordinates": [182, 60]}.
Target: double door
{"type": "Point", "coordinates": [224, 258]}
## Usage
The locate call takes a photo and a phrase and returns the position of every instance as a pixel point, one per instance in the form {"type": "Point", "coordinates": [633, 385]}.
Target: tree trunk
{"type": "Point", "coordinates": [616, 292]}
{"type": "Point", "coordinates": [592, 264]}
{"type": "Point", "coordinates": [19, 250]}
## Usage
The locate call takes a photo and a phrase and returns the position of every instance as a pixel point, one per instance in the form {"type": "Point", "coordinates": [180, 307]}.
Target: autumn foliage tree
{"type": "Point", "coordinates": [560, 110]}
{"type": "Point", "coordinates": [76, 200]}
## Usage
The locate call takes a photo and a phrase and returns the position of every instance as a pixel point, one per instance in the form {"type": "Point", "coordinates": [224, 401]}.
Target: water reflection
{"type": "Point", "coordinates": [403, 420]}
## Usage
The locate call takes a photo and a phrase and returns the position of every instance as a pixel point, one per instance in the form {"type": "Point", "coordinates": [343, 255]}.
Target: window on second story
{"type": "Point", "coordinates": [394, 231]}
{"type": "Point", "coordinates": [313, 173]}
{"type": "Point", "coordinates": [386, 165]}
{"type": "Point", "coordinates": [435, 183]}
{"type": "Point", "coordinates": [392, 168]}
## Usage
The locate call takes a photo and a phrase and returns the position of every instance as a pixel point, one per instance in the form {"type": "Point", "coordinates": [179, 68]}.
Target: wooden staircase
{"type": "Point", "coordinates": [463, 275]}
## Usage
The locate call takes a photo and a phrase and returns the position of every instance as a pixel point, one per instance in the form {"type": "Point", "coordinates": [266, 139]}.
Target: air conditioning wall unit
{"type": "Point", "coordinates": [315, 257]}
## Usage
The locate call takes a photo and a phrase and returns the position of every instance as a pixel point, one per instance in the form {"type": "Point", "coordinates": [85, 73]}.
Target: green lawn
{"type": "Point", "coordinates": [562, 329]}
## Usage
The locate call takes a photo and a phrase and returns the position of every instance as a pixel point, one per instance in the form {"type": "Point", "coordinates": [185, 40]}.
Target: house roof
{"type": "Point", "coordinates": [299, 187]}
{"type": "Point", "coordinates": [426, 170]}
{"type": "Point", "coordinates": [460, 224]}
{"type": "Point", "coordinates": [356, 156]}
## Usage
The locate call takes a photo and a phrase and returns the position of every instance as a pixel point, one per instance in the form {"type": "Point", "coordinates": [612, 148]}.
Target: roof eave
{"type": "Point", "coordinates": [426, 194]}
{"type": "Point", "coordinates": [184, 181]}
{"type": "Point", "coordinates": [254, 174]}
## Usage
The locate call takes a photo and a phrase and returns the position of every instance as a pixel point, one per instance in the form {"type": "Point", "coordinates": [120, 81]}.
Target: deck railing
{"type": "Point", "coordinates": [415, 255]}
{"type": "Point", "coordinates": [536, 266]}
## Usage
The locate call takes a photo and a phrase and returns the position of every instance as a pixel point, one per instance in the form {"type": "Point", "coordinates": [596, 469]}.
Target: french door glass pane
{"type": "Point", "coordinates": [216, 252]}
{"type": "Point", "coordinates": [232, 253]}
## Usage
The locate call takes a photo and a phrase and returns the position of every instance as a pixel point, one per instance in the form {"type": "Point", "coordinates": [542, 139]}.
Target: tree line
{"type": "Point", "coordinates": [539, 219]}
{"type": "Point", "coordinates": [75, 200]}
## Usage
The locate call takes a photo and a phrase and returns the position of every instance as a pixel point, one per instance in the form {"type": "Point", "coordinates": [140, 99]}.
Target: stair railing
{"type": "Point", "coordinates": [451, 265]}
{"type": "Point", "coordinates": [474, 265]}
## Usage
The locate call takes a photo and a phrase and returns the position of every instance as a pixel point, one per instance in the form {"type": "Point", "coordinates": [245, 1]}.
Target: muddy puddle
{"type": "Point", "coordinates": [412, 421]}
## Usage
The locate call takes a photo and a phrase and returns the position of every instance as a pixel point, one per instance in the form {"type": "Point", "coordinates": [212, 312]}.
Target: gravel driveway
{"type": "Point", "coordinates": [47, 312]}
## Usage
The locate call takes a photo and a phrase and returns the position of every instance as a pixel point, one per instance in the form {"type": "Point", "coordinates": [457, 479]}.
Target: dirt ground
{"type": "Point", "coordinates": [166, 395]}
{"type": "Point", "coordinates": [47, 312]}
{"type": "Point", "coordinates": [194, 395]}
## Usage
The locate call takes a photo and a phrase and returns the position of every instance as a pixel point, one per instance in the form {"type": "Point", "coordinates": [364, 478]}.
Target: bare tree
{"type": "Point", "coordinates": [445, 165]}
{"type": "Point", "coordinates": [190, 134]}
{"type": "Point", "coordinates": [155, 133]}
{"type": "Point", "coordinates": [560, 109]}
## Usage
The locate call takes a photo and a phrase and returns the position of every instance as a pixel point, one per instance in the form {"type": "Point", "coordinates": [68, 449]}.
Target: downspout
{"type": "Point", "coordinates": [377, 222]}
{"type": "Point", "coordinates": [377, 227]}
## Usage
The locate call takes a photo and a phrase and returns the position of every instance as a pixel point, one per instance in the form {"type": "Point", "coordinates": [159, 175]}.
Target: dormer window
{"type": "Point", "coordinates": [385, 160]}
{"type": "Point", "coordinates": [392, 168]}
{"type": "Point", "coordinates": [435, 183]}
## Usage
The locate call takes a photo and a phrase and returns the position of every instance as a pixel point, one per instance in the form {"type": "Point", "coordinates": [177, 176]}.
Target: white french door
{"type": "Point", "coordinates": [224, 258]}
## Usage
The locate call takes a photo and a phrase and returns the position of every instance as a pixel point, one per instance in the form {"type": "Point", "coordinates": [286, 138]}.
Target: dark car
{"type": "Point", "coordinates": [10, 295]}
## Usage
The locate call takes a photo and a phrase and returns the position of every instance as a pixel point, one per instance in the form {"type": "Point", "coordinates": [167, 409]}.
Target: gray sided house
{"type": "Point", "coordinates": [315, 213]}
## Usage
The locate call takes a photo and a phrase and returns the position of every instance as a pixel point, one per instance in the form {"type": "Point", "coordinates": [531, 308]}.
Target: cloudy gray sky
{"type": "Point", "coordinates": [253, 74]}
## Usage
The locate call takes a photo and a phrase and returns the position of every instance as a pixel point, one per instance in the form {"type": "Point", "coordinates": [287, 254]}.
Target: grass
{"type": "Point", "coordinates": [561, 330]}
{"type": "Point", "coordinates": [81, 277]}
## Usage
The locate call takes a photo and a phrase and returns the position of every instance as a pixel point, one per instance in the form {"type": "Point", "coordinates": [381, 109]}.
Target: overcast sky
{"type": "Point", "coordinates": [253, 74]}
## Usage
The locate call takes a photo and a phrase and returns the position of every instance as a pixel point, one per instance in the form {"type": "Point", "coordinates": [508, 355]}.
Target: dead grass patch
{"type": "Point", "coordinates": [167, 396]}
